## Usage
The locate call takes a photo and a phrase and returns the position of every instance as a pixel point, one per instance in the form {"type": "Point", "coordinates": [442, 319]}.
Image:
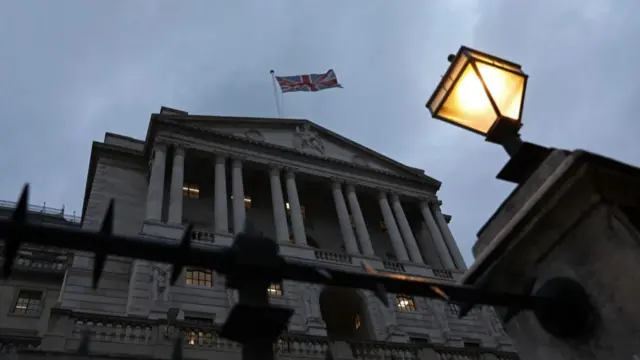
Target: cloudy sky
{"type": "Point", "coordinates": [72, 70]}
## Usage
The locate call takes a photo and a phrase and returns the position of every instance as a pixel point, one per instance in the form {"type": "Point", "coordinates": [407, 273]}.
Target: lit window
{"type": "Point", "coordinates": [405, 303]}
{"type": "Point", "coordinates": [288, 209]}
{"type": "Point", "coordinates": [247, 201]}
{"type": "Point", "coordinates": [191, 190]}
{"type": "Point", "coordinates": [275, 290]}
{"type": "Point", "coordinates": [356, 322]}
{"type": "Point", "coordinates": [28, 302]}
{"type": "Point", "coordinates": [383, 226]}
{"type": "Point", "coordinates": [199, 338]}
{"type": "Point", "coordinates": [199, 277]}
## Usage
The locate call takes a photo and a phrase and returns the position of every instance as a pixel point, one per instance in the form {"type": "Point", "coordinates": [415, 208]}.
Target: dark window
{"type": "Point", "coordinates": [453, 309]}
{"type": "Point", "coordinates": [472, 344]}
{"type": "Point", "coordinates": [419, 341]}
{"type": "Point", "coordinates": [28, 302]}
{"type": "Point", "coordinates": [198, 320]}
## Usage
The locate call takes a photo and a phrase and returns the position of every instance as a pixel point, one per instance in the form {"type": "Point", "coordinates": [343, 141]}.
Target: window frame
{"type": "Point", "coordinates": [190, 190]}
{"type": "Point", "coordinates": [409, 307]}
{"type": "Point", "coordinates": [16, 298]}
{"type": "Point", "coordinates": [275, 289]}
{"type": "Point", "coordinates": [198, 283]}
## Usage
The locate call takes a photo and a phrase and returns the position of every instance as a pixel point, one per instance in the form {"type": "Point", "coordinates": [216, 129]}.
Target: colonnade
{"type": "Point", "coordinates": [347, 207]}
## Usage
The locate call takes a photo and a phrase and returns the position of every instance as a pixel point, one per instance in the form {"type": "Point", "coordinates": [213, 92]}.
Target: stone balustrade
{"type": "Point", "coordinates": [384, 350]}
{"type": "Point", "coordinates": [443, 274]}
{"type": "Point", "coordinates": [142, 337]}
{"type": "Point", "coordinates": [331, 256]}
{"type": "Point", "coordinates": [393, 266]}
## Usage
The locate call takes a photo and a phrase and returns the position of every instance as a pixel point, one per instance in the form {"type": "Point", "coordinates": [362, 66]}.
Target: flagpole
{"type": "Point", "coordinates": [275, 93]}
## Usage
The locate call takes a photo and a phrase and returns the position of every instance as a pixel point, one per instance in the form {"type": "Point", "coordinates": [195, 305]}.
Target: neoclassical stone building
{"type": "Point", "coordinates": [322, 197]}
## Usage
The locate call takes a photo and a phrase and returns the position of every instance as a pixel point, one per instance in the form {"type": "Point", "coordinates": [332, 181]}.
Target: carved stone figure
{"type": "Point", "coordinates": [232, 296]}
{"type": "Point", "coordinates": [306, 138]}
{"type": "Point", "coordinates": [160, 289]}
{"type": "Point", "coordinates": [254, 134]}
{"type": "Point", "coordinates": [310, 303]}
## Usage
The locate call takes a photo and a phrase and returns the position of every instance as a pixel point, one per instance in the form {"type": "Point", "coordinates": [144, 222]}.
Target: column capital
{"type": "Point", "coordinates": [350, 186]}
{"type": "Point", "coordinates": [220, 159]}
{"type": "Point", "coordinates": [160, 145]}
{"type": "Point", "coordinates": [336, 183]}
{"type": "Point", "coordinates": [179, 150]}
{"type": "Point", "coordinates": [382, 194]}
{"type": "Point", "coordinates": [236, 162]}
{"type": "Point", "coordinates": [394, 197]}
{"type": "Point", "coordinates": [290, 173]}
{"type": "Point", "coordinates": [274, 170]}
{"type": "Point", "coordinates": [336, 180]}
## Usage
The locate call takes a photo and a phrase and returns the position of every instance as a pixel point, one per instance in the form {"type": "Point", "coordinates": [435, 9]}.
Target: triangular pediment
{"type": "Point", "coordinates": [304, 136]}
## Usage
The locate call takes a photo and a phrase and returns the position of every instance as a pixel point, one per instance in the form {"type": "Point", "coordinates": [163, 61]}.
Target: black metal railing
{"type": "Point", "coordinates": [253, 262]}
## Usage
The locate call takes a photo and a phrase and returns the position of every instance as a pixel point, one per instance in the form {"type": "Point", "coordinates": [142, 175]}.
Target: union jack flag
{"type": "Point", "coordinates": [310, 82]}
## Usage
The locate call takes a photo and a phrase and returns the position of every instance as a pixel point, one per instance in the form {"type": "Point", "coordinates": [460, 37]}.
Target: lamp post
{"type": "Point", "coordinates": [485, 95]}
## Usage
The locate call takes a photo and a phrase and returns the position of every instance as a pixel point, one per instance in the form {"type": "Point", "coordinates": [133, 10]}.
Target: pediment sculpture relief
{"type": "Point", "coordinates": [306, 138]}
{"type": "Point", "coordinates": [359, 161]}
{"type": "Point", "coordinates": [254, 134]}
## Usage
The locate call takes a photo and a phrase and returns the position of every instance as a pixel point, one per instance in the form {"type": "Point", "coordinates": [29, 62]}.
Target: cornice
{"type": "Point", "coordinates": [426, 181]}
{"type": "Point", "coordinates": [99, 149]}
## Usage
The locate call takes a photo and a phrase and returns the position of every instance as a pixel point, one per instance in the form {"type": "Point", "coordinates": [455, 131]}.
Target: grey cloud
{"type": "Point", "coordinates": [72, 70]}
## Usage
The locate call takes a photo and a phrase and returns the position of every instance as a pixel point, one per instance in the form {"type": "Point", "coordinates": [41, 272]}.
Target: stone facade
{"type": "Point", "coordinates": [576, 217]}
{"type": "Point", "coordinates": [325, 199]}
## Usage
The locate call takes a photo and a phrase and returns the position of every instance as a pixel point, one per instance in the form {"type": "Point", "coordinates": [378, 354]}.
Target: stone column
{"type": "Point", "coordinates": [237, 190]}
{"type": "Point", "coordinates": [156, 182]}
{"type": "Point", "coordinates": [297, 222]}
{"type": "Point", "coordinates": [343, 219]}
{"type": "Point", "coordinates": [392, 228]}
{"type": "Point", "coordinates": [405, 229]}
{"type": "Point", "coordinates": [358, 219]}
{"type": "Point", "coordinates": [438, 240]}
{"type": "Point", "coordinates": [221, 221]}
{"type": "Point", "coordinates": [177, 182]}
{"type": "Point", "coordinates": [279, 214]}
{"type": "Point", "coordinates": [448, 237]}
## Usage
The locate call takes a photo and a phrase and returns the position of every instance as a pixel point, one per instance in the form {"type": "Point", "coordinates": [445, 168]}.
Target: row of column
{"type": "Point", "coordinates": [400, 233]}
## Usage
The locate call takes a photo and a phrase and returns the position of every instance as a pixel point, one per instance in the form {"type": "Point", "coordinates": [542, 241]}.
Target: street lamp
{"type": "Point", "coordinates": [485, 95]}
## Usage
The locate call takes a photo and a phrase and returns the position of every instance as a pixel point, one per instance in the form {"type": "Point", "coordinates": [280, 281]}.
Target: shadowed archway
{"type": "Point", "coordinates": [345, 314]}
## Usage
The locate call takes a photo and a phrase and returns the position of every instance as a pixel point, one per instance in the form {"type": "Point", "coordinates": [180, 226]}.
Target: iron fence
{"type": "Point", "coordinates": [253, 262]}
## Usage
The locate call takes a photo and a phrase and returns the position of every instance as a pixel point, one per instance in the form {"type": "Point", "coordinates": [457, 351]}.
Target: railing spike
{"type": "Point", "coordinates": [177, 347]}
{"type": "Point", "coordinates": [12, 239]}
{"type": "Point", "coordinates": [106, 229]}
{"type": "Point", "coordinates": [185, 247]}
{"type": "Point", "coordinates": [83, 348]}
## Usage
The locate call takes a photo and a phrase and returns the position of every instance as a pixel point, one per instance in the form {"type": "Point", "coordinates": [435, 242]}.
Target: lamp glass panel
{"type": "Point", "coordinates": [492, 60]}
{"type": "Point", "coordinates": [505, 87]}
{"type": "Point", "coordinates": [447, 82]}
{"type": "Point", "coordinates": [468, 104]}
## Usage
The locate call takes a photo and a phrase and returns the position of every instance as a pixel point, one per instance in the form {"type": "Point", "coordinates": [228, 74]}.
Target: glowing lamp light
{"type": "Point", "coordinates": [481, 93]}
